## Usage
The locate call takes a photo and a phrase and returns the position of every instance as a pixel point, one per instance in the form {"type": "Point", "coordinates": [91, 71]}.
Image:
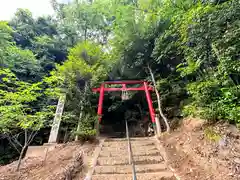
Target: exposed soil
{"type": "Point", "coordinates": [64, 161]}
{"type": "Point", "coordinates": [200, 151]}
{"type": "Point", "coordinates": [194, 151]}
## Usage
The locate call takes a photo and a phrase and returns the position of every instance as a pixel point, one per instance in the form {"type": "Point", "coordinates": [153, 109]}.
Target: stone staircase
{"type": "Point", "coordinates": [113, 163]}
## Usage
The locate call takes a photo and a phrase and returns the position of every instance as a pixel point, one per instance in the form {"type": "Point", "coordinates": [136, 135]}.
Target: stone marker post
{"type": "Point", "coordinates": [57, 119]}
{"type": "Point", "coordinates": [158, 126]}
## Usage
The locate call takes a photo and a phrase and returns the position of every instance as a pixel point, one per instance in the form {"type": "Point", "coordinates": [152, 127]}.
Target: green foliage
{"type": "Point", "coordinates": [86, 135]}
{"type": "Point", "coordinates": [29, 49]}
{"type": "Point", "coordinates": [87, 65]}
{"type": "Point", "coordinates": [16, 97]}
{"type": "Point", "coordinates": [210, 66]}
{"type": "Point", "coordinates": [212, 135]}
{"type": "Point", "coordinates": [86, 60]}
{"type": "Point", "coordinates": [55, 85]}
{"type": "Point", "coordinates": [87, 128]}
{"type": "Point", "coordinates": [22, 62]}
{"type": "Point", "coordinates": [192, 48]}
{"type": "Point", "coordinates": [5, 34]}
{"type": "Point", "coordinates": [41, 37]}
{"type": "Point", "coordinates": [17, 112]}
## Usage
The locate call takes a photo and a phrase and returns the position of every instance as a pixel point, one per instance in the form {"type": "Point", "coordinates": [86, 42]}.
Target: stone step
{"type": "Point", "coordinates": [133, 143]}
{"type": "Point", "coordinates": [138, 152]}
{"type": "Point", "coordinates": [140, 176]}
{"type": "Point", "coordinates": [127, 169]}
{"type": "Point", "coordinates": [132, 139]}
{"type": "Point", "coordinates": [123, 160]}
{"type": "Point", "coordinates": [112, 135]}
{"type": "Point", "coordinates": [124, 150]}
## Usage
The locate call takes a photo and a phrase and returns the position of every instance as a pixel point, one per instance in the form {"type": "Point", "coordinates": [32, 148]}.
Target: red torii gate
{"type": "Point", "coordinates": [145, 87]}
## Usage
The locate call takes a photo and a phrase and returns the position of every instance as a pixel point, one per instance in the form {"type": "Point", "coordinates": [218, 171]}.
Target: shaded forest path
{"type": "Point", "coordinates": [112, 160]}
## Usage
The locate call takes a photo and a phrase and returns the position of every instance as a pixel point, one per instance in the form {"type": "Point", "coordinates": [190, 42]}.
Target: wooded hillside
{"type": "Point", "coordinates": [192, 48]}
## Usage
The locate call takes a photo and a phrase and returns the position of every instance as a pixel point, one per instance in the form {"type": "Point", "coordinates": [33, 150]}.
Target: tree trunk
{"type": "Point", "coordinates": [12, 143]}
{"type": "Point", "coordinates": [20, 157]}
{"type": "Point", "coordinates": [161, 112]}
{"type": "Point", "coordinates": [79, 121]}
{"type": "Point", "coordinates": [158, 125]}
{"type": "Point", "coordinates": [28, 138]}
{"type": "Point", "coordinates": [81, 111]}
{"type": "Point", "coordinates": [159, 100]}
{"type": "Point", "coordinates": [23, 149]}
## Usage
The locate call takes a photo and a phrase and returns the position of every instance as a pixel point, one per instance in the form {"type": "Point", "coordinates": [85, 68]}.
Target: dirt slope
{"type": "Point", "coordinates": [64, 160]}
{"type": "Point", "coordinates": [200, 151]}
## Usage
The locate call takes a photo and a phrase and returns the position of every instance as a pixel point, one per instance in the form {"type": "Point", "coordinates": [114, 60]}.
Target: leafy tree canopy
{"type": "Point", "coordinates": [189, 47]}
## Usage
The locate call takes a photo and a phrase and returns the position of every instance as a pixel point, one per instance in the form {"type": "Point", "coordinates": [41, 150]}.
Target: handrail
{"type": "Point", "coordinates": [131, 161]}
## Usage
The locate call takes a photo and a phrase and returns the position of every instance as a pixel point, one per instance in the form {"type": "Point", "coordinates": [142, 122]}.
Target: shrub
{"type": "Point", "coordinates": [87, 128]}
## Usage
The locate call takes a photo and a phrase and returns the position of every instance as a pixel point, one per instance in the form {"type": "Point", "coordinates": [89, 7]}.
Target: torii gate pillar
{"type": "Point", "coordinates": [100, 103]}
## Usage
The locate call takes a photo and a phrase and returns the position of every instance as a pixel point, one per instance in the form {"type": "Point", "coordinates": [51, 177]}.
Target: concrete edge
{"type": "Point", "coordinates": [164, 155]}
{"type": "Point", "coordinates": [94, 160]}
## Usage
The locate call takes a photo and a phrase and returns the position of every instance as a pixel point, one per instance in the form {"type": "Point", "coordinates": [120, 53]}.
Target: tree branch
{"type": "Point", "coordinates": [12, 143]}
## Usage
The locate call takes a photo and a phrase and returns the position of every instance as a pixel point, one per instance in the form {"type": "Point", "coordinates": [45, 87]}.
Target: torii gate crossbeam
{"type": "Point", "coordinates": [145, 87]}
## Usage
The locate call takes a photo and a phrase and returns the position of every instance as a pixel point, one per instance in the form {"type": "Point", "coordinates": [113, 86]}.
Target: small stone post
{"type": "Point", "coordinates": [57, 119]}
{"type": "Point", "coordinates": [158, 126]}
{"type": "Point", "coordinates": [97, 126]}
